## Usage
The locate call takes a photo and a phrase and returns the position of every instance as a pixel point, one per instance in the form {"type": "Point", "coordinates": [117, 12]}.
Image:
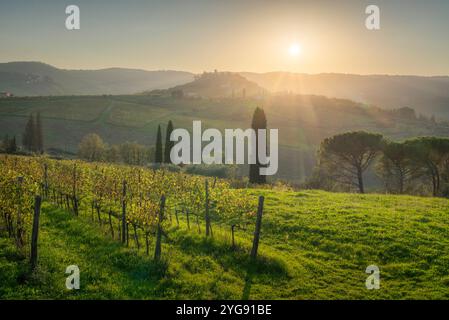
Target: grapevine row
{"type": "Point", "coordinates": [131, 196]}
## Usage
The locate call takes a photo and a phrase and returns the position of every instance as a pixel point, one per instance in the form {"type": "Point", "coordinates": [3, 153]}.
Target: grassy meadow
{"type": "Point", "coordinates": [314, 245]}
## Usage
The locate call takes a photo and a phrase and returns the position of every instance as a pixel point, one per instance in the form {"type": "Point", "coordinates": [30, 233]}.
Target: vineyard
{"type": "Point", "coordinates": [134, 203]}
{"type": "Point", "coordinates": [155, 234]}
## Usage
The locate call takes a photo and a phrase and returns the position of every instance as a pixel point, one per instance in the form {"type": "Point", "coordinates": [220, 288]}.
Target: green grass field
{"type": "Point", "coordinates": [314, 245]}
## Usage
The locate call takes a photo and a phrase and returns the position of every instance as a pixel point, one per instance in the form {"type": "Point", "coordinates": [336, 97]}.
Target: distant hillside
{"type": "Point", "coordinates": [35, 78]}
{"type": "Point", "coordinates": [427, 95]}
{"type": "Point", "coordinates": [216, 85]}
{"type": "Point", "coordinates": [303, 121]}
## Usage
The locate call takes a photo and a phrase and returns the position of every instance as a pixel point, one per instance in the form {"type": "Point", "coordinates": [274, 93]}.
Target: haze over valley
{"type": "Point", "coordinates": [220, 99]}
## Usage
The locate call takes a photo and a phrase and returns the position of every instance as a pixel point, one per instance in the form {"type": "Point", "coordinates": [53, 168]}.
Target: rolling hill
{"type": "Point", "coordinates": [216, 85]}
{"type": "Point", "coordinates": [39, 79]}
{"type": "Point", "coordinates": [427, 95]}
{"type": "Point", "coordinates": [303, 121]}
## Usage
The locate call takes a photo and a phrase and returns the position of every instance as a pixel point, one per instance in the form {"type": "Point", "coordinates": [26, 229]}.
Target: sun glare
{"type": "Point", "coordinates": [294, 50]}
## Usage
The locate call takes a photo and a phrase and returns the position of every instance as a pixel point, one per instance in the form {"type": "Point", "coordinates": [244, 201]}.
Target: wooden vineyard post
{"type": "Point", "coordinates": [119, 230]}
{"type": "Point", "coordinates": [177, 219]}
{"type": "Point", "coordinates": [232, 234]}
{"type": "Point", "coordinates": [98, 208]}
{"type": "Point", "coordinates": [207, 217]}
{"type": "Point", "coordinates": [75, 205]}
{"type": "Point", "coordinates": [127, 234]}
{"type": "Point", "coordinates": [67, 203]}
{"type": "Point", "coordinates": [257, 231]}
{"type": "Point", "coordinates": [124, 213]}
{"type": "Point", "coordinates": [35, 232]}
{"type": "Point", "coordinates": [157, 251]}
{"type": "Point", "coordinates": [46, 181]}
{"type": "Point", "coordinates": [19, 228]}
{"type": "Point", "coordinates": [147, 243]}
{"type": "Point", "coordinates": [110, 224]}
{"type": "Point", "coordinates": [198, 224]}
{"type": "Point", "coordinates": [136, 237]}
{"type": "Point", "coordinates": [188, 219]}
{"type": "Point", "coordinates": [75, 200]}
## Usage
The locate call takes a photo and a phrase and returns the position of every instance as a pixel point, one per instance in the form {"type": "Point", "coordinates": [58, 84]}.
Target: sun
{"type": "Point", "coordinates": [295, 49]}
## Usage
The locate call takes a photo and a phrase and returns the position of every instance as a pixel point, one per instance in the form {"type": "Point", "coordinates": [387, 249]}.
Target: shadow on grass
{"type": "Point", "coordinates": [109, 263]}
{"type": "Point", "coordinates": [237, 259]}
{"type": "Point", "coordinates": [112, 271]}
{"type": "Point", "coordinates": [248, 283]}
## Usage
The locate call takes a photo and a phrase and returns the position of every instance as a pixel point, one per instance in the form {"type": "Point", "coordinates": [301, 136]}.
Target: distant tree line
{"type": "Point", "coordinates": [32, 138]}
{"type": "Point", "coordinates": [8, 145]}
{"type": "Point", "coordinates": [93, 148]}
{"type": "Point", "coordinates": [415, 166]}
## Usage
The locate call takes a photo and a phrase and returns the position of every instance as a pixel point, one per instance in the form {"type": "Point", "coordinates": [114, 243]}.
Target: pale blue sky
{"type": "Point", "coordinates": [234, 35]}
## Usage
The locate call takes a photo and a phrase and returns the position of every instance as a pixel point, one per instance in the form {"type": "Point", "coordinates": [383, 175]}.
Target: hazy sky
{"type": "Point", "coordinates": [233, 35]}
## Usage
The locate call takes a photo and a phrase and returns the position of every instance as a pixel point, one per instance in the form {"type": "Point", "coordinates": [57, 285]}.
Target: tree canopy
{"type": "Point", "coordinates": [432, 155]}
{"type": "Point", "coordinates": [92, 148]}
{"type": "Point", "coordinates": [346, 156]}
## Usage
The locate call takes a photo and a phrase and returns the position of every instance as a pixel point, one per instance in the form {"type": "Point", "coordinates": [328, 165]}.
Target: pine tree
{"type": "Point", "coordinates": [38, 135]}
{"type": "Point", "coordinates": [259, 122]}
{"type": "Point", "coordinates": [158, 154]}
{"type": "Point", "coordinates": [168, 144]}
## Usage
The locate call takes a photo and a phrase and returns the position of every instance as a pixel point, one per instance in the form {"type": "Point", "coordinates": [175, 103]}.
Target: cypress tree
{"type": "Point", "coordinates": [168, 144]}
{"type": "Point", "coordinates": [259, 122]}
{"type": "Point", "coordinates": [158, 154]}
{"type": "Point", "coordinates": [25, 138]}
{"type": "Point", "coordinates": [28, 137]}
{"type": "Point", "coordinates": [38, 134]}
{"type": "Point", "coordinates": [12, 145]}
{"type": "Point", "coordinates": [5, 143]}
